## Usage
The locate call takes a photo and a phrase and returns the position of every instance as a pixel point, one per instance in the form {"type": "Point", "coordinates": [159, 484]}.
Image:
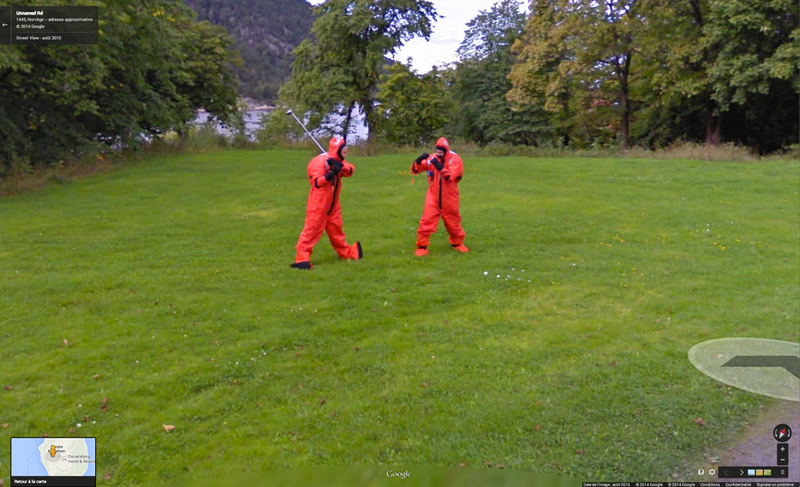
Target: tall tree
{"type": "Point", "coordinates": [673, 92]}
{"type": "Point", "coordinates": [757, 66]}
{"type": "Point", "coordinates": [481, 81]}
{"type": "Point", "coordinates": [338, 69]}
{"type": "Point", "coordinates": [492, 31]}
{"type": "Point", "coordinates": [725, 61]}
{"type": "Point", "coordinates": [583, 49]}
{"type": "Point", "coordinates": [150, 72]}
{"type": "Point", "coordinates": [412, 107]}
{"type": "Point", "coordinates": [758, 42]}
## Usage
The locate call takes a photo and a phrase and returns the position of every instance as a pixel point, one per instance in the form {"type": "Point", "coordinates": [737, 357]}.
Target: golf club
{"type": "Point", "coordinates": [289, 112]}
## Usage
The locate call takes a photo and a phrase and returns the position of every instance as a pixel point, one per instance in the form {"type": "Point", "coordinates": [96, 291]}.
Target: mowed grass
{"type": "Point", "coordinates": [170, 283]}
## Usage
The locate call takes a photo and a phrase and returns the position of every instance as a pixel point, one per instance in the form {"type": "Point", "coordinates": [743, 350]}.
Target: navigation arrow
{"type": "Point", "coordinates": [741, 472]}
{"type": "Point", "coordinates": [788, 362]}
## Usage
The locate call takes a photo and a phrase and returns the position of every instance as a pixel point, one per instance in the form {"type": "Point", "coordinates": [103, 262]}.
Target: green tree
{"type": "Point", "coordinates": [492, 31]}
{"type": "Point", "coordinates": [481, 81]}
{"type": "Point", "coordinates": [754, 76]}
{"type": "Point", "coordinates": [338, 70]}
{"type": "Point", "coordinates": [673, 63]}
{"type": "Point", "coordinates": [720, 63]}
{"type": "Point", "coordinates": [412, 107]}
{"type": "Point", "coordinates": [152, 68]}
{"type": "Point", "coordinates": [757, 43]}
{"type": "Point", "coordinates": [577, 55]}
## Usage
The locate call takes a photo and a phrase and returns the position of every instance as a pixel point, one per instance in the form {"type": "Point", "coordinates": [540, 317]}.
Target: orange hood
{"type": "Point", "coordinates": [443, 143]}
{"type": "Point", "coordinates": [335, 147]}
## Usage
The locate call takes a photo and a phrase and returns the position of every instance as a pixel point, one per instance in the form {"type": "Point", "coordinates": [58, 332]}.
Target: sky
{"type": "Point", "coordinates": [448, 32]}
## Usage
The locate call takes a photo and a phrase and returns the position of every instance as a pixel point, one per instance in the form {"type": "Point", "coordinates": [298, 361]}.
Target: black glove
{"type": "Point", "coordinates": [437, 163]}
{"type": "Point", "coordinates": [336, 166]}
{"type": "Point", "coordinates": [421, 158]}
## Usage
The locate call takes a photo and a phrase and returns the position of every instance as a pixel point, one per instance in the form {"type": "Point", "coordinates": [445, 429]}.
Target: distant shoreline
{"type": "Point", "coordinates": [251, 105]}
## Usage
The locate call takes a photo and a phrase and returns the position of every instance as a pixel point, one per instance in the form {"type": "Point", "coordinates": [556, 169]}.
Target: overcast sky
{"type": "Point", "coordinates": [448, 32]}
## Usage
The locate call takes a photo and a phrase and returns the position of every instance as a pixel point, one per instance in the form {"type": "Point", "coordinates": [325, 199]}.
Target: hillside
{"type": "Point", "coordinates": [265, 33]}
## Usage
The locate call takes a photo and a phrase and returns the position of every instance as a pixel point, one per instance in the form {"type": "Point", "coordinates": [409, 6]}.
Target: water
{"type": "Point", "coordinates": [252, 120]}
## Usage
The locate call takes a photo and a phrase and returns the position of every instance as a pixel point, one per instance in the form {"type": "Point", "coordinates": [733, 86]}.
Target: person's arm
{"type": "Point", "coordinates": [420, 164]}
{"type": "Point", "coordinates": [320, 174]}
{"type": "Point", "coordinates": [347, 169]}
{"type": "Point", "coordinates": [453, 171]}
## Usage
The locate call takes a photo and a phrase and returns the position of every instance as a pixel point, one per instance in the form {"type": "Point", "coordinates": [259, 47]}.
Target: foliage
{"type": "Point", "coordinates": [338, 70]}
{"type": "Point", "coordinates": [492, 31]}
{"type": "Point", "coordinates": [413, 109]}
{"type": "Point", "coordinates": [754, 78]}
{"type": "Point", "coordinates": [578, 54]}
{"type": "Point", "coordinates": [651, 72]}
{"type": "Point", "coordinates": [715, 65]}
{"type": "Point", "coordinates": [757, 42]}
{"type": "Point", "coordinates": [153, 68]}
{"type": "Point", "coordinates": [480, 83]}
{"type": "Point", "coordinates": [277, 125]}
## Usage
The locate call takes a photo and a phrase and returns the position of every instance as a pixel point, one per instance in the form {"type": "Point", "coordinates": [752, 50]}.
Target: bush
{"type": "Point", "coordinates": [697, 152]}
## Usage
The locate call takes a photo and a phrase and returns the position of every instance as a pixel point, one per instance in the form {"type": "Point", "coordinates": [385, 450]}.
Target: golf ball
{"type": "Point", "coordinates": [485, 273]}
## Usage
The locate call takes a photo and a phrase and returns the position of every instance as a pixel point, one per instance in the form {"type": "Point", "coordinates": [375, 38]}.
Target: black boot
{"type": "Point", "coordinates": [305, 265]}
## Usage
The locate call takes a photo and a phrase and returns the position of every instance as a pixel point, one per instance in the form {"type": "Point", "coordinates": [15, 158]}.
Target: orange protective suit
{"type": "Point", "coordinates": [441, 198]}
{"type": "Point", "coordinates": [323, 212]}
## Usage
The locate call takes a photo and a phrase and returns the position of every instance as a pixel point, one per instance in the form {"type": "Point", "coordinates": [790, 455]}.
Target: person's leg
{"type": "Point", "coordinates": [452, 222]}
{"type": "Point", "coordinates": [335, 229]}
{"type": "Point", "coordinates": [427, 226]}
{"type": "Point", "coordinates": [312, 232]}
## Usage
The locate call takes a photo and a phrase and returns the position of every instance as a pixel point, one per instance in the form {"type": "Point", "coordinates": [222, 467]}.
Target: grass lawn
{"type": "Point", "coordinates": [161, 294]}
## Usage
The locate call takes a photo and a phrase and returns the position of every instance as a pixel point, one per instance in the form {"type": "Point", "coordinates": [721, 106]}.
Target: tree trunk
{"type": "Point", "coordinates": [347, 120]}
{"type": "Point", "coordinates": [624, 102]}
{"type": "Point", "coordinates": [697, 12]}
{"type": "Point", "coordinates": [713, 129]}
{"type": "Point", "coordinates": [713, 123]}
{"type": "Point", "coordinates": [624, 128]}
{"type": "Point", "coordinates": [366, 109]}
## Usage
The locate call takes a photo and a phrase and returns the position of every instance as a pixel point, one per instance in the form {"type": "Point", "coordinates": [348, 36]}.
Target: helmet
{"type": "Point", "coordinates": [335, 147]}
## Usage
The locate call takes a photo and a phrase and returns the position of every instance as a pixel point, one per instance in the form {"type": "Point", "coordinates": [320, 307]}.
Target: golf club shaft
{"type": "Point", "coordinates": [309, 133]}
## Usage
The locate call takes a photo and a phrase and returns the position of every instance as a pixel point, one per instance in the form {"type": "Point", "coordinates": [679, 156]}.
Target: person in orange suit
{"type": "Point", "coordinates": [444, 169]}
{"type": "Point", "coordinates": [323, 212]}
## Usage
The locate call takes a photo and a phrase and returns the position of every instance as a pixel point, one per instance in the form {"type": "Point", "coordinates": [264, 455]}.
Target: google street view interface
{"type": "Point", "coordinates": [766, 456]}
{"type": "Point", "coordinates": [43, 461]}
